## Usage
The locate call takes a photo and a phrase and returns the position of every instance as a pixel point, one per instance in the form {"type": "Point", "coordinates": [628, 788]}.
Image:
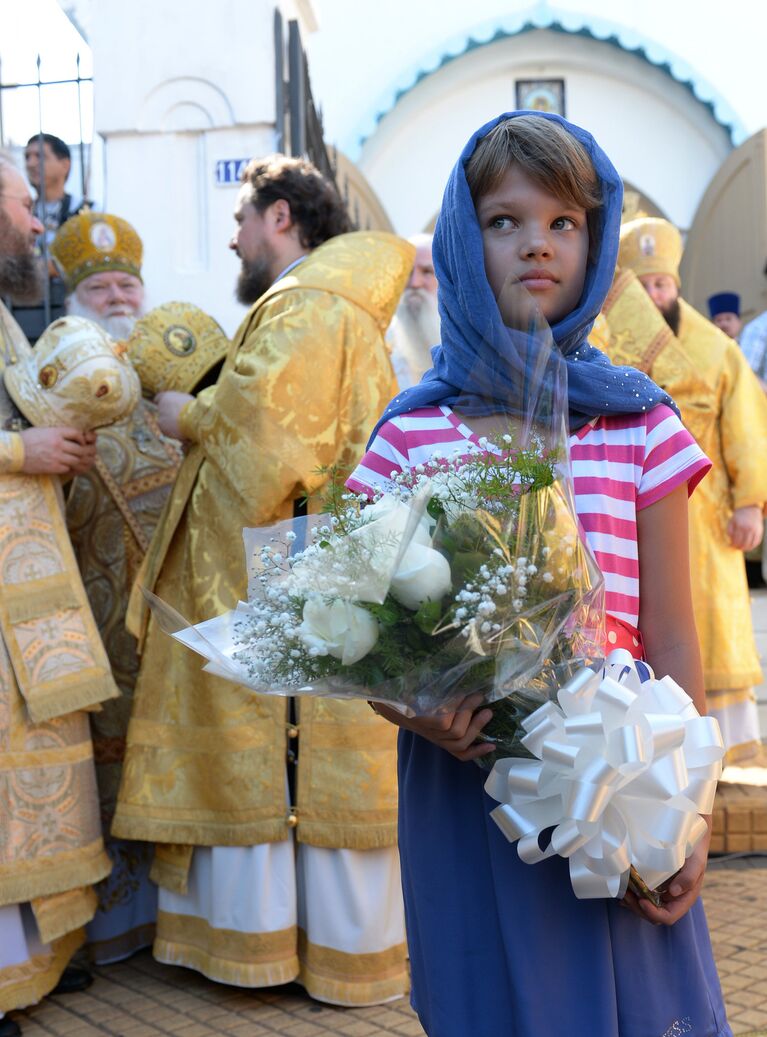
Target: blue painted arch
{"type": "Point", "coordinates": [544, 16]}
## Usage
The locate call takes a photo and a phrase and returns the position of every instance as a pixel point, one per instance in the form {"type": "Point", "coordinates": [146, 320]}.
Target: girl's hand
{"type": "Point", "coordinates": [455, 732]}
{"type": "Point", "coordinates": [682, 890]}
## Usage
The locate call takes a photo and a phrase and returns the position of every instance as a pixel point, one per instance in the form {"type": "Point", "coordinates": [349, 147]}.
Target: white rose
{"type": "Point", "coordinates": [341, 629]}
{"type": "Point", "coordinates": [387, 524]}
{"type": "Point", "coordinates": [423, 575]}
{"type": "Point", "coordinates": [389, 516]}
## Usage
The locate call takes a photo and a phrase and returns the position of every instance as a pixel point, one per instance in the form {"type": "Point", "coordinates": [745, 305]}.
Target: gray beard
{"type": "Point", "coordinates": [117, 327]}
{"type": "Point", "coordinates": [414, 330]}
{"type": "Point", "coordinates": [21, 275]}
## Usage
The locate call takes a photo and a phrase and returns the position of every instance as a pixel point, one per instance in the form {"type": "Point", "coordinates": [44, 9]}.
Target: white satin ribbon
{"type": "Point", "coordinates": [623, 770]}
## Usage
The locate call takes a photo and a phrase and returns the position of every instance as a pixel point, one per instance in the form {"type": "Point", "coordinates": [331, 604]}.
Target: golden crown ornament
{"type": "Point", "coordinates": [175, 347]}
{"type": "Point", "coordinates": [95, 242]}
{"type": "Point", "coordinates": [76, 376]}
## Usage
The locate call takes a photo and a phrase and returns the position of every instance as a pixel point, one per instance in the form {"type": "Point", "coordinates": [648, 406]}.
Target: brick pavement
{"type": "Point", "coordinates": [141, 998]}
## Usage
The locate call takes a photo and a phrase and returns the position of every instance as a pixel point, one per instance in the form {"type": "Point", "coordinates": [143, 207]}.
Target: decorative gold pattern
{"type": "Point", "coordinates": [51, 835]}
{"type": "Point", "coordinates": [305, 380]}
{"type": "Point", "coordinates": [48, 376]}
{"type": "Point", "coordinates": [76, 376]}
{"type": "Point", "coordinates": [621, 280]}
{"type": "Point", "coordinates": [743, 752]}
{"type": "Point", "coordinates": [112, 512]}
{"type": "Point", "coordinates": [273, 958]}
{"type": "Point", "coordinates": [92, 242]}
{"type": "Point", "coordinates": [650, 246]}
{"type": "Point", "coordinates": [174, 347]}
{"type": "Point", "coordinates": [52, 665]}
{"type": "Point", "coordinates": [348, 770]}
{"type": "Point", "coordinates": [226, 955]}
{"type": "Point", "coordinates": [352, 979]}
{"type": "Point", "coordinates": [48, 628]}
{"type": "Point", "coordinates": [725, 409]}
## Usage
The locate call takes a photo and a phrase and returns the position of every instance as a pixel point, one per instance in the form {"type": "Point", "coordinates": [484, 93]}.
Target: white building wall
{"type": "Point", "coordinates": [659, 136]}
{"type": "Point", "coordinates": [184, 220]}
{"type": "Point", "coordinates": [364, 49]}
{"type": "Point", "coordinates": [182, 86]}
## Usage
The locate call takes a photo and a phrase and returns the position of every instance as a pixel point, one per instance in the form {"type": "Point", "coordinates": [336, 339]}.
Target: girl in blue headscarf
{"type": "Point", "coordinates": [498, 946]}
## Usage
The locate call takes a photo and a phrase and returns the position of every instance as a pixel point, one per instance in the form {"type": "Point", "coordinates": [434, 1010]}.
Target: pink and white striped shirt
{"type": "Point", "coordinates": [620, 465]}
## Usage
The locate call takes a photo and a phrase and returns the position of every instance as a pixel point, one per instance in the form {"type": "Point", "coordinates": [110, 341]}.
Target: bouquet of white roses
{"type": "Point", "coordinates": [468, 574]}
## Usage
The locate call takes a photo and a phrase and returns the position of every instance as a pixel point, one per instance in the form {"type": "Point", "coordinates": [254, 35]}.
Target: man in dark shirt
{"type": "Point", "coordinates": [53, 207]}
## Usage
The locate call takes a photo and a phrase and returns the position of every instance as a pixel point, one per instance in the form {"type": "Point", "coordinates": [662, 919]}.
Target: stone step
{"type": "Point", "coordinates": [739, 819]}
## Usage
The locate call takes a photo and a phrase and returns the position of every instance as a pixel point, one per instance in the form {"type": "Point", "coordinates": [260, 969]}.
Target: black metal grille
{"type": "Point", "coordinates": [298, 120]}
{"type": "Point", "coordinates": [34, 319]}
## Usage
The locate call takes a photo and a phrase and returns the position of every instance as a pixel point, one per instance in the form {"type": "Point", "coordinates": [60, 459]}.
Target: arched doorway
{"type": "Point", "coordinates": [639, 111]}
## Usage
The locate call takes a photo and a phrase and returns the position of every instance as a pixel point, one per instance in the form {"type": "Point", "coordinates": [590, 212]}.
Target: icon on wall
{"type": "Point", "coordinates": [541, 95]}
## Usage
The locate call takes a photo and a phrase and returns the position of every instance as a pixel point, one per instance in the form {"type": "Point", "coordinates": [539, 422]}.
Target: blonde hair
{"type": "Point", "coordinates": [547, 153]}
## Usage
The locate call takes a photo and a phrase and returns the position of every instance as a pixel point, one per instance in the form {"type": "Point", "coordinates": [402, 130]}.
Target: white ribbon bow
{"type": "Point", "coordinates": [623, 771]}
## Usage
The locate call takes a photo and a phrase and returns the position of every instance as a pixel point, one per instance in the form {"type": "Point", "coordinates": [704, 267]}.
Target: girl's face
{"type": "Point", "coordinates": [533, 238]}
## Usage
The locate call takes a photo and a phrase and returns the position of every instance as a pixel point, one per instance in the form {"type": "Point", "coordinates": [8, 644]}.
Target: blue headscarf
{"type": "Point", "coordinates": [483, 361]}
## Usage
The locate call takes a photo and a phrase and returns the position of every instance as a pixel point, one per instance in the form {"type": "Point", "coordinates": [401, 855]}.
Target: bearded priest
{"type": "Point", "coordinates": [281, 815]}
{"type": "Point", "coordinates": [722, 404]}
{"type": "Point", "coordinates": [53, 668]}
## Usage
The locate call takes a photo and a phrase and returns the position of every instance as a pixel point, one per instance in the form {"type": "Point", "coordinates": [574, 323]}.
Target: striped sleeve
{"type": "Point", "coordinates": [671, 457]}
{"type": "Point", "coordinates": [387, 454]}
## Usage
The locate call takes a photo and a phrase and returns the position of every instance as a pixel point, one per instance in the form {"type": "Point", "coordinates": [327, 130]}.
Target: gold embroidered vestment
{"type": "Point", "coordinates": [305, 380]}
{"type": "Point", "coordinates": [725, 409]}
{"type": "Point", "coordinates": [52, 668]}
{"type": "Point", "coordinates": [112, 511]}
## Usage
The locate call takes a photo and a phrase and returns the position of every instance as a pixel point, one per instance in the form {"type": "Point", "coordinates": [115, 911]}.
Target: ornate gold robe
{"type": "Point", "coordinates": [52, 669]}
{"type": "Point", "coordinates": [306, 378]}
{"type": "Point", "coordinates": [725, 409]}
{"type": "Point", "coordinates": [112, 511]}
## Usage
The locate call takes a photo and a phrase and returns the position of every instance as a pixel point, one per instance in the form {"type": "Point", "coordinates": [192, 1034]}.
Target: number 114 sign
{"type": "Point", "coordinates": [229, 171]}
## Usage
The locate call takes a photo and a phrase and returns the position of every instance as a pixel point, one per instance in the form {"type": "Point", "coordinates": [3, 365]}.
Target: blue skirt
{"type": "Point", "coordinates": [499, 948]}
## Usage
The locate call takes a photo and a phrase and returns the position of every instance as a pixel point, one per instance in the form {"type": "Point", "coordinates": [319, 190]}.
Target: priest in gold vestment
{"type": "Point", "coordinates": [52, 670]}
{"type": "Point", "coordinates": [112, 511]}
{"type": "Point", "coordinates": [278, 818]}
{"type": "Point", "coordinates": [724, 407]}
